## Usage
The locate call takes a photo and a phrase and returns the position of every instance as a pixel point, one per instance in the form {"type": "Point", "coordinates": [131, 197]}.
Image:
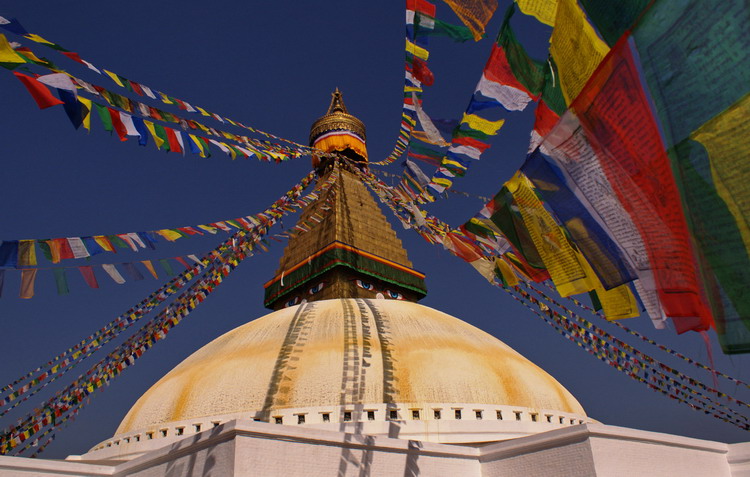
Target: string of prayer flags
{"type": "Point", "coordinates": [242, 241]}
{"type": "Point", "coordinates": [215, 267]}
{"type": "Point", "coordinates": [420, 16]}
{"type": "Point", "coordinates": [13, 26]}
{"type": "Point", "coordinates": [126, 124]}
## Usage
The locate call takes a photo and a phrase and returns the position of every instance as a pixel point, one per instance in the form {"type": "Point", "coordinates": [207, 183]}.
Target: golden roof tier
{"type": "Point", "coordinates": [351, 250]}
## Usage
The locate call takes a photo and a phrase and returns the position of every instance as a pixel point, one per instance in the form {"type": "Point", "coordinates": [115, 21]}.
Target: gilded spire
{"type": "Point", "coordinates": [338, 120]}
{"type": "Point", "coordinates": [337, 103]}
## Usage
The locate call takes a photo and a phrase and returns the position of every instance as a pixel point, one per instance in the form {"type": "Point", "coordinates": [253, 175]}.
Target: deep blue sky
{"type": "Point", "coordinates": [272, 65]}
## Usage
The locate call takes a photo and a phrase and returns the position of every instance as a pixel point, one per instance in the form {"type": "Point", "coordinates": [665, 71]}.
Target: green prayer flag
{"type": "Point", "coordinates": [528, 71]}
{"type": "Point", "coordinates": [166, 266]}
{"type": "Point", "coordinates": [61, 281]}
{"type": "Point", "coordinates": [162, 135]}
{"type": "Point", "coordinates": [106, 120]}
{"type": "Point", "coordinates": [613, 17]}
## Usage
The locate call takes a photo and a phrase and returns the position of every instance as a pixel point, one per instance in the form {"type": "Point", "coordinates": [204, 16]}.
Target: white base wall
{"type": "Point", "coordinates": [248, 449]}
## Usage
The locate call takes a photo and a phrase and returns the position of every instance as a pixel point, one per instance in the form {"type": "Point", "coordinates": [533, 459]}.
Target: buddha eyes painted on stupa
{"type": "Point", "coordinates": [365, 285]}
{"type": "Point", "coordinates": [316, 288]}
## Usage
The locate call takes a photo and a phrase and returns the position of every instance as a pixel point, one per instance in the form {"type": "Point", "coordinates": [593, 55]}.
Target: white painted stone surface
{"type": "Point", "coordinates": [250, 449]}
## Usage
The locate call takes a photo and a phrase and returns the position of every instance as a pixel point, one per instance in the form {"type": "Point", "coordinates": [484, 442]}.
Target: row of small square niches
{"type": "Point", "coordinates": [370, 415]}
{"type": "Point", "coordinates": [456, 414]}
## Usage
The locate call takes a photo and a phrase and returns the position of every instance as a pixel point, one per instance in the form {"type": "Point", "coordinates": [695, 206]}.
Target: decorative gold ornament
{"type": "Point", "coordinates": [337, 119]}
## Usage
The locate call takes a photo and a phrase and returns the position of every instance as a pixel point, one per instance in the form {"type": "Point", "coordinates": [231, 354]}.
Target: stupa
{"type": "Point", "coordinates": [350, 376]}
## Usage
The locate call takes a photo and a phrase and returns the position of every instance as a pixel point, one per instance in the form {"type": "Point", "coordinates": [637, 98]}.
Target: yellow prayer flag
{"type": "Point", "coordinates": [208, 228]}
{"type": "Point", "coordinates": [104, 243]}
{"type": "Point", "coordinates": [198, 143]}
{"type": "Point", "coordinates": [114, 77]}
{"type": "Point", "coordinates": [575, 47]}
{"type": "Point", "coordinates": [558, 256]}
{"type": "Point", "coordinates": [417, 51]}
{"type": "Point", "coordinates": [726, 137]}
{"type": "Point", "coordinates": [203, 111]}
{"type": "Point", "coordinates": [87, 117]}
{"type": "Point", "coordinates": [543, 10]}
{"type": "Point", "coordinates": [617, 303]}
{"type": "Point", "coordinates": [164, 98]}
{"type": "Point", "coordinates": [480, 124]}
{"type": "Point", "coordinates": [7, 54]}
{"type": "Point", "coordinates": [157, 140]}
{"type": "Point", "coordinates": [170, 235]}
{"type": "Point", "coordinates": [412, 89]}
{"type": "Point", "coordinates": [37, 38]}
{"type": "Point", "coordinates": [506, 271]}
{"type": "Point", "coordinates": [26, 253]}
{"type": "Point", "coordinates": [150, 267]}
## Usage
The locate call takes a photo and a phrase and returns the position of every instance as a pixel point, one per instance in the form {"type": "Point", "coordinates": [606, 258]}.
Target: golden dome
{"type": "Point", "coordinates": [338, 130]}
{"type": "Point", "coordinates": [315, 354]}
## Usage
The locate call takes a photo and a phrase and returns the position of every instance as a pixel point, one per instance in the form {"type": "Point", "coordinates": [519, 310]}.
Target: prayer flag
{"type": "Point", "coordinates": [7, 55]}
{"type": "Point", "coordinates": [613, 18]}
{"type": "Point", "coordinates": [174, 142]}
{"type": "Point", "coordinates": [28, 277]}
{"type": "Point", "coordinates": [140, 126]}
{"type": "Point", "coordinates": [150, 267]}
{"type": "Point", "coordinates": [152, 129]}
{"type": "Point", "coordinates": [127, 121]}
{"type": "Point", "coordinates": [26, 253]}
{"type": "Point", "coordinates": [61, 281]}
{"type": "Point", "coordinates": [166, 266]}
{"type": "Point", "coordinates": [77, 247]}
{"type": "Point", "coordinates": [475, 14]}
{"type": "Point", "coordinates": [9, 253]}
{"type": "Point", "coordinates": [576, 48]}
{"type": "Point", "coordinates": [75, 109]}
{"type": "Point", "coordinates": [85, 112]}
{"type": "Point", "coordinates": [483, 125]}
{"type": "Point", "coordinates": [38, 91]}
{"type": "Point", "coordinates": [132, 272]}
{"type": "Point", "coordinates": [113, 273]}
{"type": "Point", "coordinates": [117, 124]}
{"type": "Point", "coordinates": [13, 26]}
{"type": "Point", "coordinates": [114, 77]}
{"type": "Point", "coordinates": [88, 275]}
{"type": "Point", "coordinates": [104, 117]}
{"type": "Point", "coordinates": [543, 10]}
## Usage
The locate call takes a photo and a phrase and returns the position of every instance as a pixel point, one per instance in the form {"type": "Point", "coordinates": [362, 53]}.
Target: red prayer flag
{"type": "Point", "coordinates": [88, 275]}
{"type": "Point", "coordinates": [469, 141]}
{"type": "Point", "coordinates": [420, 71]}
{"type": "Point", "coordinates": [73, 56]}
{"type": "Point", "coordinates": [183, 262]}
{"type": "Point", "coordinates": [545, 119]}
{"type": "Point", "coordinates": [39, 91]}
{"type": "Point", "coordinates": [498, 70]}
{"type": "Point", "coordinates": [117, 124]}
{"type": "Point", "coordinates": [137, 88]}
{"type": "Point", "coordinates": [422, 6]}
{"type": "Point", "coordinates": [174, 144]}
{"type": "Point", "coordinates": [63, 248]}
